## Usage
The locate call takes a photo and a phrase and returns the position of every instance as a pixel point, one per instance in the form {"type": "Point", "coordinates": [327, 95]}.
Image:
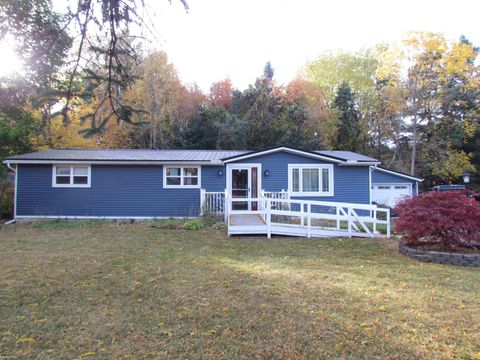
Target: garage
{"type": "Point", "coordinates": [390, 194]}
{"type": "Point", "coordinates": [389, 186]}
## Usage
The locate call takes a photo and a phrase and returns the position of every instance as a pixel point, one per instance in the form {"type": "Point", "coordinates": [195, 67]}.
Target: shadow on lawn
{"type": "Point", "coordinates": [116, 291]}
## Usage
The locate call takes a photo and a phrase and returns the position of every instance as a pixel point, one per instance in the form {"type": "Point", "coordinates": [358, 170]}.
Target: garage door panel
{"type": "Point", "coordinates": [390, 194]}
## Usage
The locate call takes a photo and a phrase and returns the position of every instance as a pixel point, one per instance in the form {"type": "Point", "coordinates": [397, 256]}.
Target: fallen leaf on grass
{"type": "Point", "coordinates": [87, 354]}
{"type": "Point", "coordinates": [25, 339]}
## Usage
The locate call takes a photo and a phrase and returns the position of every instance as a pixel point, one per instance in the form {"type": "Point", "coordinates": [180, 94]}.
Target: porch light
{"type": "Point", "coordinates": [466, 177]}
{"type": "Point", "coordinates": [220, 172]}
{"type": "Point", "coordinates": [266, 172]}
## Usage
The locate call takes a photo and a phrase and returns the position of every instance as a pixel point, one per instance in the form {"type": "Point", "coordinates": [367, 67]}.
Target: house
{"type": "Point", "coordinates": [147, 184]}
{"type": "Point", "coordinates": [389, 187]}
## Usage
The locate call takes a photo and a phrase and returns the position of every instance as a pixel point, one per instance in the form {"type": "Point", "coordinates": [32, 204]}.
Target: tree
{"type": "Point", "coordinates": [104, 52]}
{"type": "Point", "coordinates": [221, 93]}
{"type": "Point", "coordinates": [348, 136]}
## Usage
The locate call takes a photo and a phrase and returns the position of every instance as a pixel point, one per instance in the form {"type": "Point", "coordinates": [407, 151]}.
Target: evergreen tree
{"type": "Point", "coordinates": [349, 131]}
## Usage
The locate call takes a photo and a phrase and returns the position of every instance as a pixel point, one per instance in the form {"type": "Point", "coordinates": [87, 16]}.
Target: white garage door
{"type": "Point", "coordinates": [390, 194]}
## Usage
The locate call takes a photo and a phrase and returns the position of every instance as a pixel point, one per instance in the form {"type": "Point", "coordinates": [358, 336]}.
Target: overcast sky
{"type": "Point", "coordinates": [235, 38]}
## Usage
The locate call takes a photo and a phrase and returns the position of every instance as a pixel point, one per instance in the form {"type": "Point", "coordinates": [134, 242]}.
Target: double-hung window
{"type": "Point", "coordinates": [181, 177]}
{"type": "Point", "coordinates": [310, 179]}
{"type": "Point", "coordinates": [71, 176]}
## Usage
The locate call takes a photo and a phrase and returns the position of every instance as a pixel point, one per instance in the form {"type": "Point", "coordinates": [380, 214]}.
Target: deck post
{"type": "Point", "coordinates": [374, 221]}
{"type": "Point", "coordinates": [388, 223]}
{"type": "Point", "coordinates": [349, 222]}
{"type": "Point", "coordinates": [338, 215]}
{"type": "Point", "coordinates": [225, 207]}
{"type": "Point", "coordinates": [302, 215]}
{"type": "Point", "coordinates": [309, 220]}
{"type": "Point", "coordinates": [202, 200]}
{"type": "Point", "coordinates": [269, 219]}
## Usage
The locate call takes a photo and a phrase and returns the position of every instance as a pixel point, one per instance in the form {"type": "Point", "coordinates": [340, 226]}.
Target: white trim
{"type": "Point", "coordinates": [397, 174]}
{"type": "Point", "coordinates": [360, 163]}
{"type": "Point", "coordinates": [181, 186]}
{"type": "Point", "coordinates": [103, 217]}
{"type": "Point", "coordinates": [319, 193]}
{"type": "Point", "coordinates": [286, 149]}
{"type": "Point", "coordinates": [14, 193]}
{"type": "Point", "coordinates": [109, 162]}
{"type": "Point", "coordinates": [71, 185]}
{"type": "Point", "coordinates": [247, 166]}
{"type": "Point", "coordinates": [370, 184]}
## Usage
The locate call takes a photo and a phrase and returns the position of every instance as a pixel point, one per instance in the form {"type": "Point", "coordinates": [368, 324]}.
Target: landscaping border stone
{"type": "Point", "coordinates": [438, 257]}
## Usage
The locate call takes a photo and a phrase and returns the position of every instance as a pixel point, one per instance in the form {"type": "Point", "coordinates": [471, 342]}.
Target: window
{"type": "Point", "coordinates": [71, 176]}
{"type": "Point", "coordinates": [403, 187]}
{"type": "Point", "coordinates": [181, 177]}
{"type": "Point", "coordinates": [310, 180]}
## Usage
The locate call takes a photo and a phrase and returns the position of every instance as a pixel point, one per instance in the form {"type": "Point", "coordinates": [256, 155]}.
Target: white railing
{"type": "Point", "coordinates": [212, 202]}
{"type": "Point", "coordinates": [281, 195]}
{"type": "Point", "coordinates": [311, 218]}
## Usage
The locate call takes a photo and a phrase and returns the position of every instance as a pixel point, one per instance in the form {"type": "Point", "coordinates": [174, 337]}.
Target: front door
{"type": "Point", "coordinates": [243, 183]}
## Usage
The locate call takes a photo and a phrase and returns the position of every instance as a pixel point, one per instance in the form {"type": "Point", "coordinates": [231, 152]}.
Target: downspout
{"type": "Point", "coordinates": [15, 195]}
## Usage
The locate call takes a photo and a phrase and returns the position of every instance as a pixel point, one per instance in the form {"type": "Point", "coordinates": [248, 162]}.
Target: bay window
{"type": "Point", "coordinates": [310, 179]}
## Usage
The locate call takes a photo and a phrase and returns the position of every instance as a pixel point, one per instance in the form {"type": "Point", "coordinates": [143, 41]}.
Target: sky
{"type": "Point", "coordinates": [235, 38]}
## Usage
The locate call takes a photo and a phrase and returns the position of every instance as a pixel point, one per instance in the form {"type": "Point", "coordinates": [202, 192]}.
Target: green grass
{"type": "Point", "coordinates": [137, 291]}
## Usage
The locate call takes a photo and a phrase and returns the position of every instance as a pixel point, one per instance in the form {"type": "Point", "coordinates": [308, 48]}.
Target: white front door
{"type": "Point", "coordinates": [244, 182]}
{"type": "Point", "coordinates": [390, 194]}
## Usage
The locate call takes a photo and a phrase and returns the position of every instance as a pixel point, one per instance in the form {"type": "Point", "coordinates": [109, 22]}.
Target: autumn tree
{"type": "Point", "coordinates": [221, 93]}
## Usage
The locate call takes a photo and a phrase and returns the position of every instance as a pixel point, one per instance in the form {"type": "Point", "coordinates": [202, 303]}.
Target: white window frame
{"type": "Point", "coordinates": [71, 184]}
{"type": "Point", "coordinates": [181, 186]}
{"type": "Point", "coordinates": [320, 167]}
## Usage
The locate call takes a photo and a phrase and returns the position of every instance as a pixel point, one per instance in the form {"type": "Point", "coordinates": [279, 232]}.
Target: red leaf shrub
{"type": "Point", "coordinates": [448, 218]}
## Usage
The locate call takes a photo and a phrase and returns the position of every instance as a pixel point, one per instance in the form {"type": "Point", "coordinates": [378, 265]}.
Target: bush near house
{"type": "Point", "coordinates": [447, 220]}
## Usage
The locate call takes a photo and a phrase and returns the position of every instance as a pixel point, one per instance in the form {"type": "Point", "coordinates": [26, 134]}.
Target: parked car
{"type": "Point", "coordinates": [449, 187]}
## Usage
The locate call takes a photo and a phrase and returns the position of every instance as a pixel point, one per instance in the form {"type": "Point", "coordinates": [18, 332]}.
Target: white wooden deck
{"type": "Point", "coordinates": [306, 218]}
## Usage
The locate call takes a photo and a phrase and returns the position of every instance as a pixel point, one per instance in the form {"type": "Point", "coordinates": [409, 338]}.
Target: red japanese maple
{"type": "Point", "coordinates": [449, 218]}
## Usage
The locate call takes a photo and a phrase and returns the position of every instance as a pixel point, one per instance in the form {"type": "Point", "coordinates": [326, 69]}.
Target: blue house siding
{"type": "Point", "coordinates": [119, 191]}
{"type": "Point", "coordinates": [211, 181]}
{"type": "Point", "coordinates": [351, 183]}
{"type": "Point", "coordinates": [380, 177]}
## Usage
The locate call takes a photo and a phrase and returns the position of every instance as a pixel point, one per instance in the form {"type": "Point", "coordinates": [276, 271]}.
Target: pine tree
{"type": "Point", "coordinates": [348, 137]}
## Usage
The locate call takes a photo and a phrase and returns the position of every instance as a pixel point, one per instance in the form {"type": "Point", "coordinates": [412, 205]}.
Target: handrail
{"type": "Point", "coordinates": [346, 212]}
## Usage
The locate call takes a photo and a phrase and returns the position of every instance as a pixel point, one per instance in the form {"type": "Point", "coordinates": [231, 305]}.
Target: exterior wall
{"type": "Point", "coordinates": [116, 191]}
{"type": "Point", "coordinates": [211, 181]}
{"type": "Point", "coordinates": [380, 177]}
{"type": "Point", "coordinates": [351, 183]}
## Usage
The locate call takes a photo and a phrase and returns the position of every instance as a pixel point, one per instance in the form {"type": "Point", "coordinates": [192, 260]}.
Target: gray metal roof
{"type": "Point", "coordinates": [161, 155]}
{"type": "Point", "coordinates": [346, 155]}
{"type": "Point", "coordinates": [127, 155]}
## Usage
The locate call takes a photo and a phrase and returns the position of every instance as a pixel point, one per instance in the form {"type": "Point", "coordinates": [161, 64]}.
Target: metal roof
{"type": "Point", "coordinates": [148, 155]}
{"type": "Point", "coordinates": [127, 155]}
{"type": "Point", "coordinates": [346, 155]}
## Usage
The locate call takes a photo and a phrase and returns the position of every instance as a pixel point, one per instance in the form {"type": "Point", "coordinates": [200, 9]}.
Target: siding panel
{"type": "Point", "coordinates": [115, 191]}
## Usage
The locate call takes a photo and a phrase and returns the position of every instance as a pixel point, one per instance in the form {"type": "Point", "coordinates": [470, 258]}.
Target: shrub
{"type": "Point", "coordinates": [447, 218]}
{"type": "Point", "coordinates": [6, 202]}
{"type": "Point", "coordinates": [196, 224]}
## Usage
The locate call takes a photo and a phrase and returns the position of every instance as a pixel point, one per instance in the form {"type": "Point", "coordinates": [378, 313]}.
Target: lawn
{"type": "Point", "coordinates": [137, 291]}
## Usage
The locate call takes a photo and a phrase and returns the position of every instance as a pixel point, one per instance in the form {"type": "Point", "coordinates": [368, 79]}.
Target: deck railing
{"type": "Point", "coordinates": [309, 218]}
{"type": "Point", "coordinates": [212, 202]}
